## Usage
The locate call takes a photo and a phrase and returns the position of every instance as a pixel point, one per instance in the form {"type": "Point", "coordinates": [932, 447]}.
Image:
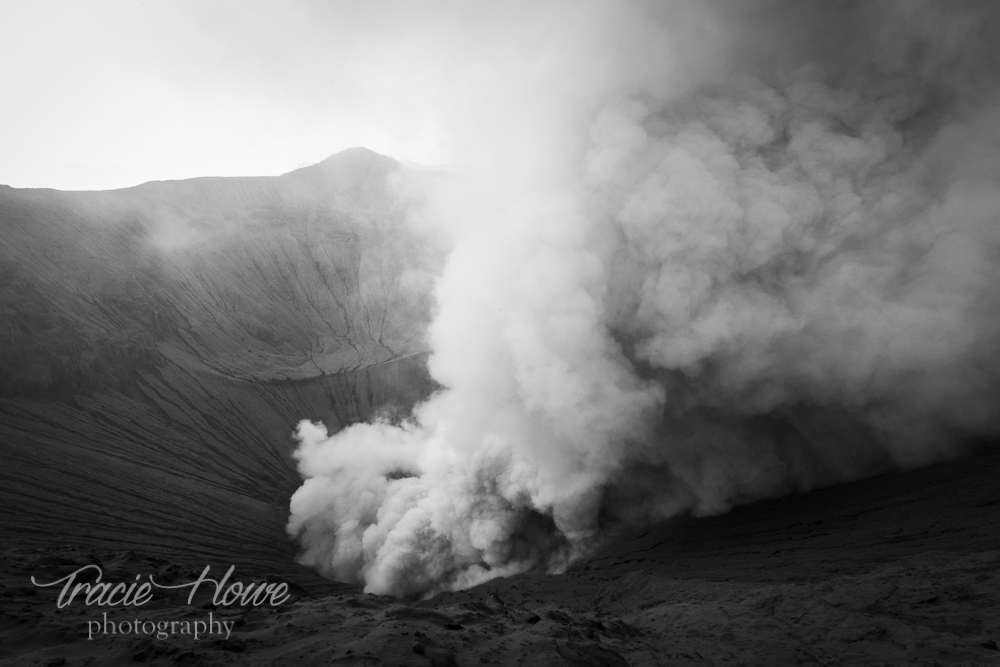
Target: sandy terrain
{"type": "Point", "coordinates": [895, 570]}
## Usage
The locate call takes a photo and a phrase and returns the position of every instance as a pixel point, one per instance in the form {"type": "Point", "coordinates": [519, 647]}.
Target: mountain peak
{"type": "Point", "coordinates": [345, 170]}
{"type": "Point", "coordinates": [357, 153]}
{"type": "Point", "coordinates": [352, 158]}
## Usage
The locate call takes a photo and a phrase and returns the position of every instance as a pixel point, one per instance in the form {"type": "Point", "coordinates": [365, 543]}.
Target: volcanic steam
{"type": "Point", "coordinates": [707, 253]}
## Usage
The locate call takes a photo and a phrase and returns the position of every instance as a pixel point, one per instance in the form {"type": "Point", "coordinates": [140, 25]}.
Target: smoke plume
{"type": "Point", "coordinates": [708, 253]}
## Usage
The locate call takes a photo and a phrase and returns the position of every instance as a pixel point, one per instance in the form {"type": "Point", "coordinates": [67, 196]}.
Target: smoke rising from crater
{"type": "Point", "coordinates": [708, 253]}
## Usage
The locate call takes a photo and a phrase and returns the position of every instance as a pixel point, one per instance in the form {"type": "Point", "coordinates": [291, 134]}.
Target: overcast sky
{"type": "Point", "coordinates": [111, 93]}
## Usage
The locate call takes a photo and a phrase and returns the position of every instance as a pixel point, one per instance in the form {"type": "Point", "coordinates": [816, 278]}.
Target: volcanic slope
{"type": "Point", "coordinates": [159, 343]}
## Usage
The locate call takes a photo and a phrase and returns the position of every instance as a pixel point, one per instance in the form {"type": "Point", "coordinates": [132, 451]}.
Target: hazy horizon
{"type": "Point", "coordinates": [112, 94]}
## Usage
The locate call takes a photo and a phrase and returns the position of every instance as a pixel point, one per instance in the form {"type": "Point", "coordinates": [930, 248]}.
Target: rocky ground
{"type": "Point", "coordinates": [900, 569]}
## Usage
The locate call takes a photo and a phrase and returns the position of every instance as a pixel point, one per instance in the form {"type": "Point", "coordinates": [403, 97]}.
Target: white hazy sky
{"type": "Point", "coordinates": [111, 93]}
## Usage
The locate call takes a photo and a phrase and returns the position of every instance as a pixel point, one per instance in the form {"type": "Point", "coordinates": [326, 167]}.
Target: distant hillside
{"type": "Point", "coordinates": [265, 278]}
{"type": "Point", "coordinates": [159, 343]}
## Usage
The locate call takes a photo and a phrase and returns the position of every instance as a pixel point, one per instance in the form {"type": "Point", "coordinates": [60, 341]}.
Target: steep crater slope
{"type": "Point", "coordinates": [158, 345]}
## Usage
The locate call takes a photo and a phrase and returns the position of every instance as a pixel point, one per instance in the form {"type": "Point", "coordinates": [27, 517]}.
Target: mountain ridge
{"type": "Point", "coordinates": [348, 157]}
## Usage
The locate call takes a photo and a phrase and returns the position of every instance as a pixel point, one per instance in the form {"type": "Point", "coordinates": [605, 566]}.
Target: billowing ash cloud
{"type": "Point", "coordinates": [711, 253]}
